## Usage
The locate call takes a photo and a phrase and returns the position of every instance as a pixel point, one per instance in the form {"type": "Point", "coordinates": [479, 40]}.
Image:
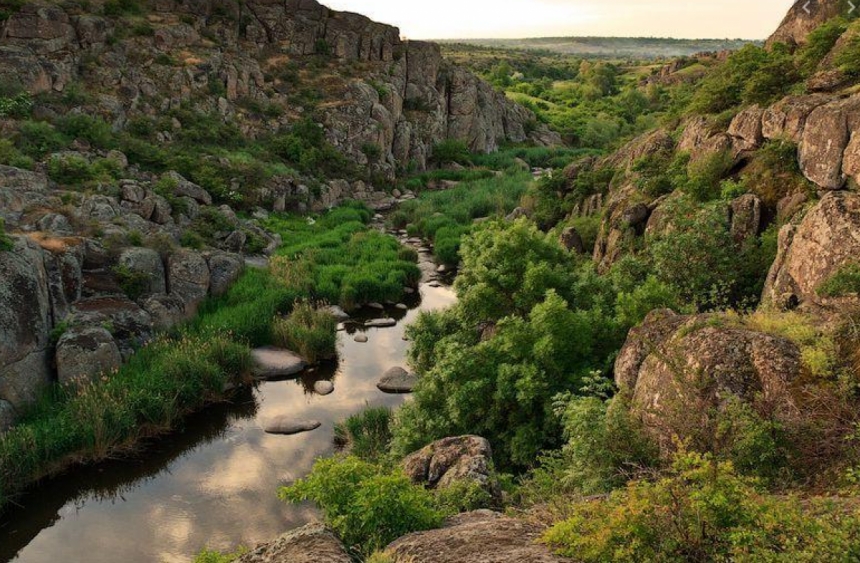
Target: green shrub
{"type": "Point", "coordinates": [122, 8]}
{"type": "Point", "coordinates": [133, 284]}
{"type": "Point", "coordinates": [367, 505]}
{"type": "Point", "coordinates": [819, 43]}
{"type": "Point", "coordinates": [37, 138]}
{"type": "Point", "coordinates": [451, 152]}
{"type": "Point", "coordinates": [73, 170]}
{"type": "Point", "coordinates": [19, 106]}
{"type": "Point", "coordinates": [91, 129]}
{"type": "Point", "coordinates": [211, 556]}
{"type": "Point", "coordinates": [310, 332]}
{"type": "Point", "coordinates": [703, 511]}
{"type": "Point", "coordinates": [366, 435]}
{"type": "Point", "coordinates": [845, 281]}
{"type": "Point", "coordinates": [704, 176]}
{"type": "Point", "coordinates": [11, 156]}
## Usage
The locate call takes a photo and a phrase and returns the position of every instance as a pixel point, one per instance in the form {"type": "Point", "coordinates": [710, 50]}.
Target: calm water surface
{"type": "Point", "coordinates": [212, 484]}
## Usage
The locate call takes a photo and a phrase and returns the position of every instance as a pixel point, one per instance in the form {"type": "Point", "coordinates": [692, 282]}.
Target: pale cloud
{"type": "Point", "coordinates": [445, 19]}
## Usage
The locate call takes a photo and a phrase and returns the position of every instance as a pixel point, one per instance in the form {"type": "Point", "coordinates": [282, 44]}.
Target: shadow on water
{"type": "Point", "coordinates": [212, 483]}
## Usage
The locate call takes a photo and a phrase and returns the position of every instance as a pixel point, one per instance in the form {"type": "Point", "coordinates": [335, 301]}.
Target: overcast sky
{"type": "Point", "coordinates": [446, 19]}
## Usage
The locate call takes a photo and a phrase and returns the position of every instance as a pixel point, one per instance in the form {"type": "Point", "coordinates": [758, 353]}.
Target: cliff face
{"type": "Point", "coordinates": [803, 17]}
{"type": "Point", "coordinates": [400, 96]}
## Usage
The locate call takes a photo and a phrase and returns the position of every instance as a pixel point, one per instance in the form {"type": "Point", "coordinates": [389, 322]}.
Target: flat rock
{"type": "Point", "coordinates": [338, 313]}
{"type": "Point", "coordinates": [323, 387]}
{"type": "Point", "coordinates": [402, 307]}
{"type": "Point", "coordinates": [313, 543]}
{"type": "Point", "coordinates": [360, 338]}
{"type": "Point", "coordinates": [380, 323]}
{"type": "Point", "coordinates": [273, 363]}
{"type": "Point", "coordinates": [288, 426]}
{"type": "Point", "coordinates": [397, 380]}
{"type": "Point", "coordinates": [377, 306]}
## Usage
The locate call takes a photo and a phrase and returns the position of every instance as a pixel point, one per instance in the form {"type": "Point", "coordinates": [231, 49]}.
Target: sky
{"type": "Point", "coordinates": [461, 19]}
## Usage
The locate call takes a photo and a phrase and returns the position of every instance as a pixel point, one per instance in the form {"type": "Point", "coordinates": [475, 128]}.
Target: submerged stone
{"type": "Point", "coordinates": [287, 426]}
{"type": "Point", "coordinates": [274, 363]}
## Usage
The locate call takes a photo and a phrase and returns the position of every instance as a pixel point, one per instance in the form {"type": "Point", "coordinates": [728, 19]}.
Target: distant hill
{"type": "Point", "coordinates": [611, 47]}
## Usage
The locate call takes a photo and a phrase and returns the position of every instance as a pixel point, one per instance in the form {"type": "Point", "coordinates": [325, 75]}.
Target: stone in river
{"type": "Point", "coordinates": [397, 380]}
{"type": "Point", "coordinates": [377, 306]}
{"type": "Point", "coordinates": [287, 426]}
{"type": "Point", "coordinates": [274, 363]}
{"type": "Point", "coordinates": [360, 338]}
{"type": "Point", "coordinates": [402, 307]}
{"type": "Point", "coordinates": [338, 313]}
{"type": "Point", "coordinates": [380, 323]}
{"type": "Point", "coordinates": [323, 387]}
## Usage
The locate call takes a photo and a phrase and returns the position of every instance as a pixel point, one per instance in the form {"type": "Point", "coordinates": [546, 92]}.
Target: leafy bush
{"type": "Point", "coordinates": [451, 152]}
{"type": "Point", "coordinates": [367, 505]}
{"type": "Point", "coordinates": [18, 106]}
{"type": "Point", "coordinates": [845, 281]}
{"type": "Point", "coordinates": [310, 332]}
{"type": "Point", "coordinates": [211, 556]}
{"type": "Point", "coordinates": [11, 156]}
{"type": "Point", "coordinates": [37, 138]}
{"type": "Point", "coordinates": [366, 435]}
{"type": "Point", "coordinates": [122, 8]}
{"type": "Point", "coordinates": [73, 170]}
{"type": "Point", "coordinates": [704, 176]}
{"type": "Point", "coordinates": [91, 129]}
{"type": "Point", "coordinates": [133, 284]}
{"type": "Point", "coordinates": [703, 511]}
{"type": "Point", "coordinates": [819, 43]}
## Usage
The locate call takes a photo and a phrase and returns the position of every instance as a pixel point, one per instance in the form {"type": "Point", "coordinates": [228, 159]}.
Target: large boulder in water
{"type": "Point", "coordinates": [313, 543]}
{"type": "Point", "coordinates": [475, 537]}
{"type": "Point", "coordinates": [812, 251]}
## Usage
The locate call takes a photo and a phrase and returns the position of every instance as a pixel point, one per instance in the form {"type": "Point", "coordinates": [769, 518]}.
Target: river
{"type": "Point", "coordinates": [214, 482]}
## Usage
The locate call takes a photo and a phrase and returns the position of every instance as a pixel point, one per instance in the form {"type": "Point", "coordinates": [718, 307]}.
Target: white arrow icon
{"type": "Point", "coordinates": [806, 7]}
{"type": "Point", "coordinates": [853, 7]}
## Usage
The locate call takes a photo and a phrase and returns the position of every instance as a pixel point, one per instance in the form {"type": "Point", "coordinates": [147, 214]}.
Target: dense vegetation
{"type": "Point", "coordinates": [336, 259]}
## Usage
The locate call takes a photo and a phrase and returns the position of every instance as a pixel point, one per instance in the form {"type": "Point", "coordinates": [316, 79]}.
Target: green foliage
{"type": "Point", "coordinates": [18, 106]}
{"type": "Point", "coordinates": [703, 511]}
{"type": "Point", "coordinates": [37, 138]}
{"type": "Point", "coordinates": [5, 242]}
{"type": "Point", "coordinates": [774, 172]}
{"type": "Point", "coordinates": [10, 7]}
{"type": "Point", "coordinates": [122, 8]}
{"type": "Point", "coordinates": [696, 254]}
{"type": "Point", "coordinates": [845, 281]}
{"type": "Point", "coordinates": [11, 156]}
{"type": "Point", "coordinates": [91, 129]}
{"type": "Point", "coordinates": [74, 170]}
{"type": "Point", "coordinates": [819, 43]}
{"type": "Point", "coordinates": [461, 496]}
{"type": "Point", "coordinates": [133, 284]}
{"type": "Point", "coordinates": [211, 556]}
{"type": "Point", "coordinates": [704, 176]}
{"type": "Point", "coordinates": [451, 151]}
{"type": "Point", "coordinates": [367, 505]}
{"type": "Point", "coordinates": [549, 322]}
{"type": "Point", "coordinates": [367, 434]}
{"type": "Point", "coordinates": [309, 331]}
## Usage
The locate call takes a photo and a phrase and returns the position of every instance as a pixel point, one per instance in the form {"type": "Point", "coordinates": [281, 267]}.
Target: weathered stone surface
{"type": "Point", "coordinates": [224, 270]}
{"type": "Point", "coordinates": [745, 214]}
{"type": "Point", "coordinates": [803, 18]}
{"type": "Point", "coordinates": [812, 251]}
{"type": "Point", "coordinates": [699, 363]}
{"type": "Point", "coordinates": [288, 426]}
{"type": "Point", "coordinates": [338, 313]}
{"type": "Point", "coordinates": [571, 240]}
{"type": "Point", "coordinates": [165, 311]}
{"type": "Point", "coordinates": [397, 380]}
{"type": "Point", "coordinates": [746, 129]}
{"type": "Point", "coordinates": [450, 460]}
{"type": "Point", "coordinates": [85, 353]}
{"type": "Point", "coordinates": [360, 338]}
{"type": "Point", "coordinates": [25, 323]}
{"type": "Point", "coordinates": [313, 543]}
{"type": "Point", "coordinates": [7, 415]}
{"type": "Point", "coordinates": [145, 264]}
{"type": "Point", "coordinates": [787, 118]}
{"type": "Point", "coordinates": [187, 188]}
{"type": "Point", "coordinates": [274, 363]}
{"type": "Point", "coordinates": [828, 130]}
{"type": "Point", "coordinates": [188, 277]}
{"type": "Point", "coordinates": [380, 323]}
{"type": "Point", "coordinates": [475, 537]}
{"type": "Point", "coordinates": [323, 387]}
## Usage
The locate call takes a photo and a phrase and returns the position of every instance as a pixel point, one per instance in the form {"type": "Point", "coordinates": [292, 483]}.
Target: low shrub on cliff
{"type": "Point", "coordinates": [703, 511]}
{"type": "Point", "coordinates": [846, 281]}
{"type": "Point", "coordinates": [368, 505]}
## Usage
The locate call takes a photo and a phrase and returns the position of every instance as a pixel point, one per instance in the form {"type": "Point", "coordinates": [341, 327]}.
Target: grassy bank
{"type": "Point", "coordinates": [336, 259]}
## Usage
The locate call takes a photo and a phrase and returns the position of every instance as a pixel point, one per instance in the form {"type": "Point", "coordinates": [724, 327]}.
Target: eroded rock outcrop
{"type": "Point", "coordinates": [451, 460]}
{"type": "Point", "coordinates": [313, 543]}
{"type": "Point", "coordinates": [804, 17]}
{"type": "Point", "coordinates": [674, 365]}
{"type": "Point", "coordinates": [478, 537]}
{"type": "Point", "coordinates": [812, 250]}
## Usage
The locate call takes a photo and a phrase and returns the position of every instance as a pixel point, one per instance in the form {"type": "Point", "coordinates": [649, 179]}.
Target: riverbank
{"type": "Point", "coordinates": [337, 259]}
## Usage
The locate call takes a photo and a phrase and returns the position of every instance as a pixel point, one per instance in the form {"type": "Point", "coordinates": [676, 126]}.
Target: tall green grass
{"type": "Point", "coordinates": [308, 331]}
{"type": "Point", "coordinates": [337, 258]}
{"type": "Point", "coordinates": [444, 217]}
{"type": "Point", "coordinates": [366, 434]}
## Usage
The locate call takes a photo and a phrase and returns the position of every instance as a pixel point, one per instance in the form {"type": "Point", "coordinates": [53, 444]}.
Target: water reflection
{"type": "Point", "coordinates": [214, 483]}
